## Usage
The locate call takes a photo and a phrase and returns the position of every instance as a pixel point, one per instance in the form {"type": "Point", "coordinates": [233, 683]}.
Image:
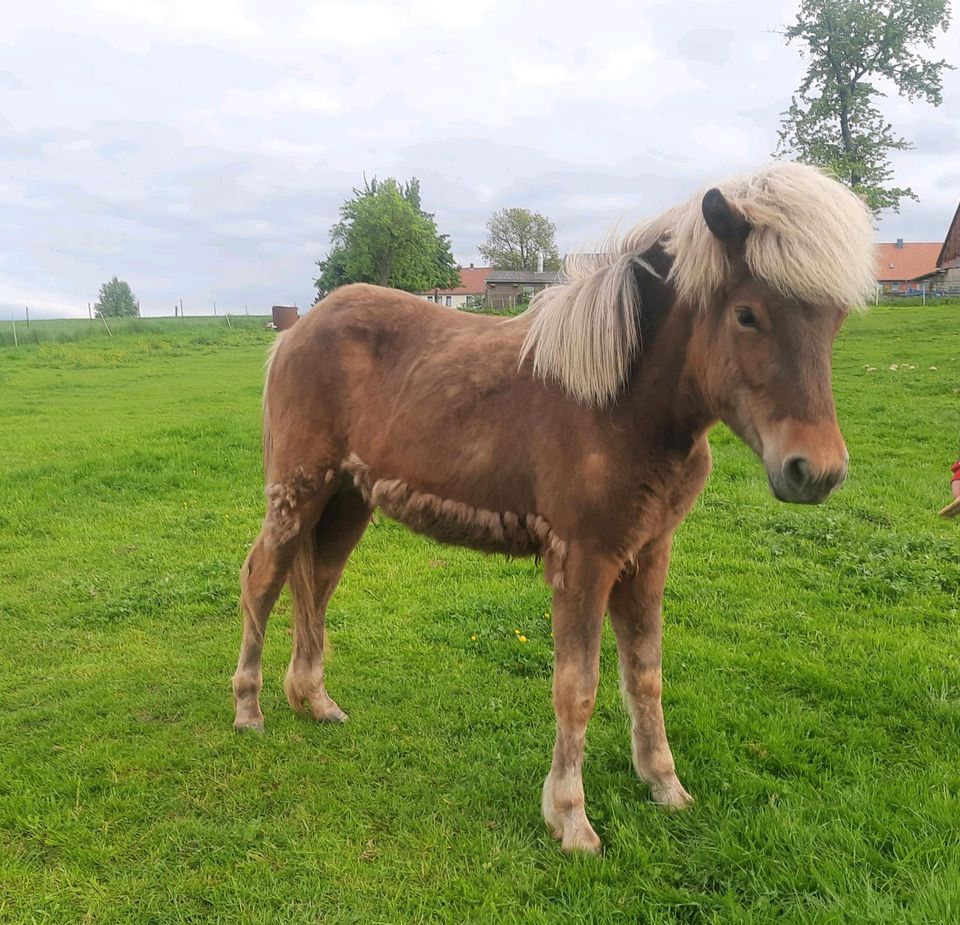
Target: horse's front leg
{"type": "Point", "coordinates": [635, 611]}
{"type": "Point", "coordinates": [577, 623]}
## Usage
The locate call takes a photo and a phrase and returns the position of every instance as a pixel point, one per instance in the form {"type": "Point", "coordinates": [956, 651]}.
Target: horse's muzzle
{"type": "Point", "coordinates": [798, 481]}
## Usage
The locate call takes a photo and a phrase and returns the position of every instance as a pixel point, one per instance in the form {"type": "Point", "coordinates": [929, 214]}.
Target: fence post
{"type": "Point", "coordinates": [26, 308]}
{"type": "Point", "coordinates": [16, 343]}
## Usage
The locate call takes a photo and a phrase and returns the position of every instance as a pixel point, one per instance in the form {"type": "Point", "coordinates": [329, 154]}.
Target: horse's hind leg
{"type": "Point", "coordinates": [261, 580]}
{"type": "Point", "coordinates": [314, 575]}
{"type": "Point", "coordinates": [292, 512]}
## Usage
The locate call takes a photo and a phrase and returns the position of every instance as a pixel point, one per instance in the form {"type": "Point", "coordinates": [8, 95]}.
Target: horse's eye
{"type": "Point", "coordinates": [746, 318]}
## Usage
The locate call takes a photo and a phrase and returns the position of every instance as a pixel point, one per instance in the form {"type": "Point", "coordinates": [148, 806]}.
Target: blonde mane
{"type": "Point", "coordinates": [811, 239]}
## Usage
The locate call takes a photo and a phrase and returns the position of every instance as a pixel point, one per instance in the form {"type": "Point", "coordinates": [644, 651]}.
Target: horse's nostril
{"type": "Point", "coordinates": [797, 472]}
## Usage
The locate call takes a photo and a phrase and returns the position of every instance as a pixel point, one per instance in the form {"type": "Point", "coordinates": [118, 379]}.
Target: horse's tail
{"type": "Point", "coordinates": [267, 436]}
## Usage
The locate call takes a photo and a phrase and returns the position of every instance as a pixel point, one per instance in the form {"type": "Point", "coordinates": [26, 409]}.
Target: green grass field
{"type": "Point", "coordinates": [18, 333]}
{"type": "Point", "coordinates": [812, 675]}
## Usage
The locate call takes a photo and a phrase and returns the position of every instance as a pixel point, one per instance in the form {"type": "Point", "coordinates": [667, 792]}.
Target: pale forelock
{"type": "Point", "coordinates": [811, 239]}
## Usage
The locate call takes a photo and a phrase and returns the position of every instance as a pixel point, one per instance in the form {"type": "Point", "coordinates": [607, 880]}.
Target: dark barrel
{"type": "Point", "coordinates": [284, 316]}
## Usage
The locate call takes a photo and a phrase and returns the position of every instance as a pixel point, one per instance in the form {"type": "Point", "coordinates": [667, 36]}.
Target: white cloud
{"type": "Point", "coordinates": [612, 203]}
{"type": "Point", "coordinates": [223, 16]}
{"type": "Point", "coordinates": [286, 96]}
{"type": "Point", "coordinates": [363, 23]}
{"type": "Point", "coordinates": [454, 14]}
{"type": "Point", "coordinates": [41, 303]}
{"type": "Point", "coordinates": [294, 151]}
{"type": "Point", "coordinates": [348, 23]}
{"type": "Point", "coordinates": [722, 139]}
{"type": "Point", "coordinates": [534, 74]}
{"type": "Point", "coordinates": [621, 63]}
{"type": "Point", "coordinates": [154, 12]}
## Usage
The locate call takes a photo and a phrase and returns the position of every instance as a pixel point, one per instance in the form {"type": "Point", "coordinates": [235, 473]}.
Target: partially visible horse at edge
{"type": "Point", "coordinates": [576, 432]}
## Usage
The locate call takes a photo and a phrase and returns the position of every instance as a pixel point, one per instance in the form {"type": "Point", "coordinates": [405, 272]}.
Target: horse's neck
{"type": "Point", "coordinates": [664, 400]}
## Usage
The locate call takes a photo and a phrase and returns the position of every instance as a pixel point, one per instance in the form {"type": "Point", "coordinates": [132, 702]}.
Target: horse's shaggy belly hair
{"type": "Point", "coordinates": [454, 522]}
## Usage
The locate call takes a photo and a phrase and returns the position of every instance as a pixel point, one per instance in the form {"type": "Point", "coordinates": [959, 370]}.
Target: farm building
{"type": "Point", "coordinates": [901, 266]}
{"type": "Point", "coordinates": [505, 288]}
{"type": "Point", "coordinates": [470, 292]}
{"type": "Point", "coordinates": [948, 260]}
{"type": "Point", "coordinates": [934, 267]}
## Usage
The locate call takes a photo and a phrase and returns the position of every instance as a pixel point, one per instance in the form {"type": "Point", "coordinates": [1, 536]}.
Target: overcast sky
{"type": "Point", "coordinates": [200, 149]}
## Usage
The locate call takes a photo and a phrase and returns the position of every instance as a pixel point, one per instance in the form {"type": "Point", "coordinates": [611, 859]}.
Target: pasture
{"type": "Point", "coordinates": [812, 675]}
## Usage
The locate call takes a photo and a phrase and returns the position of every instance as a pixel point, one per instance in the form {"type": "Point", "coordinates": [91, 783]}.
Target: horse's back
{"type": "Point", "coordinates": [381, 373]}
{"type": "Point", "coordinates": [361, 309]}
{"type": "Point", "coordinates": [367, 334]}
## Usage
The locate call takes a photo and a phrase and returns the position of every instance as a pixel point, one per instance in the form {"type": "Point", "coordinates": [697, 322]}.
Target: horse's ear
{"type": "Point", "coordinates": [724, 219]}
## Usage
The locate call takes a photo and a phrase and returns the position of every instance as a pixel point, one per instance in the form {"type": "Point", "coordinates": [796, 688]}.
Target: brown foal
{"type": "Point", "coordinates": [576, 432]}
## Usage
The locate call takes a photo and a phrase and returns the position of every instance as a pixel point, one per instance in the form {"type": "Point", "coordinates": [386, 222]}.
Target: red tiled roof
{"type": "Point", "coordinates": [473, 281]}
{"type": "Point", "coordinates": [908, 262]}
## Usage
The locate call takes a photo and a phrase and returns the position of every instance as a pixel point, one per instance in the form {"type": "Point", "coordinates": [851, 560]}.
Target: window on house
{"type": "Point", "coordinates": [449, 301]}
{"type": "Point", "coordinates": [895, 286]}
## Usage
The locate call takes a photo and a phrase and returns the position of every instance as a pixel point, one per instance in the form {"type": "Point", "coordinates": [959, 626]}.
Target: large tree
{"type": "Point", "coordinates": [116, 300]}
{"type": "Point", "coordinates": [515, 238]}
{"type": "Point", "coordinates": [855, 49]}
{"type": "Point", "coordinates": [385, 237]}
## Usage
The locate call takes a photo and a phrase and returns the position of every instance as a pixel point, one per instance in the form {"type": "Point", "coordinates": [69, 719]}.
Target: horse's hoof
{"type": "Point", "coordinates": [330, 713]}
{"type": "Point", "coordinates": [321, 708]}
{"type": "Point", "coordinates": [576, 837]}
{"type": "Point", "coordinates": [570, 825]}
{"type": "Point", "coordinates": [671, 795]}
{"type": "Point", "coordinates": [248, 725]}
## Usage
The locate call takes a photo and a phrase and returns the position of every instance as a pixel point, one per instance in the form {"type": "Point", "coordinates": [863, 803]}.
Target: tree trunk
{"type": "Point", "coordinates": [383, 271]}
{"type": "Point", "coordinates": [845, 133]}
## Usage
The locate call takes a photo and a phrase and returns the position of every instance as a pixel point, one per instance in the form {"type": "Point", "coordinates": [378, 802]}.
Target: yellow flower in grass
{"type": "Point", "coordinates": [474, 637]}
{"type": "Point", "coordinates": [521, 638]}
